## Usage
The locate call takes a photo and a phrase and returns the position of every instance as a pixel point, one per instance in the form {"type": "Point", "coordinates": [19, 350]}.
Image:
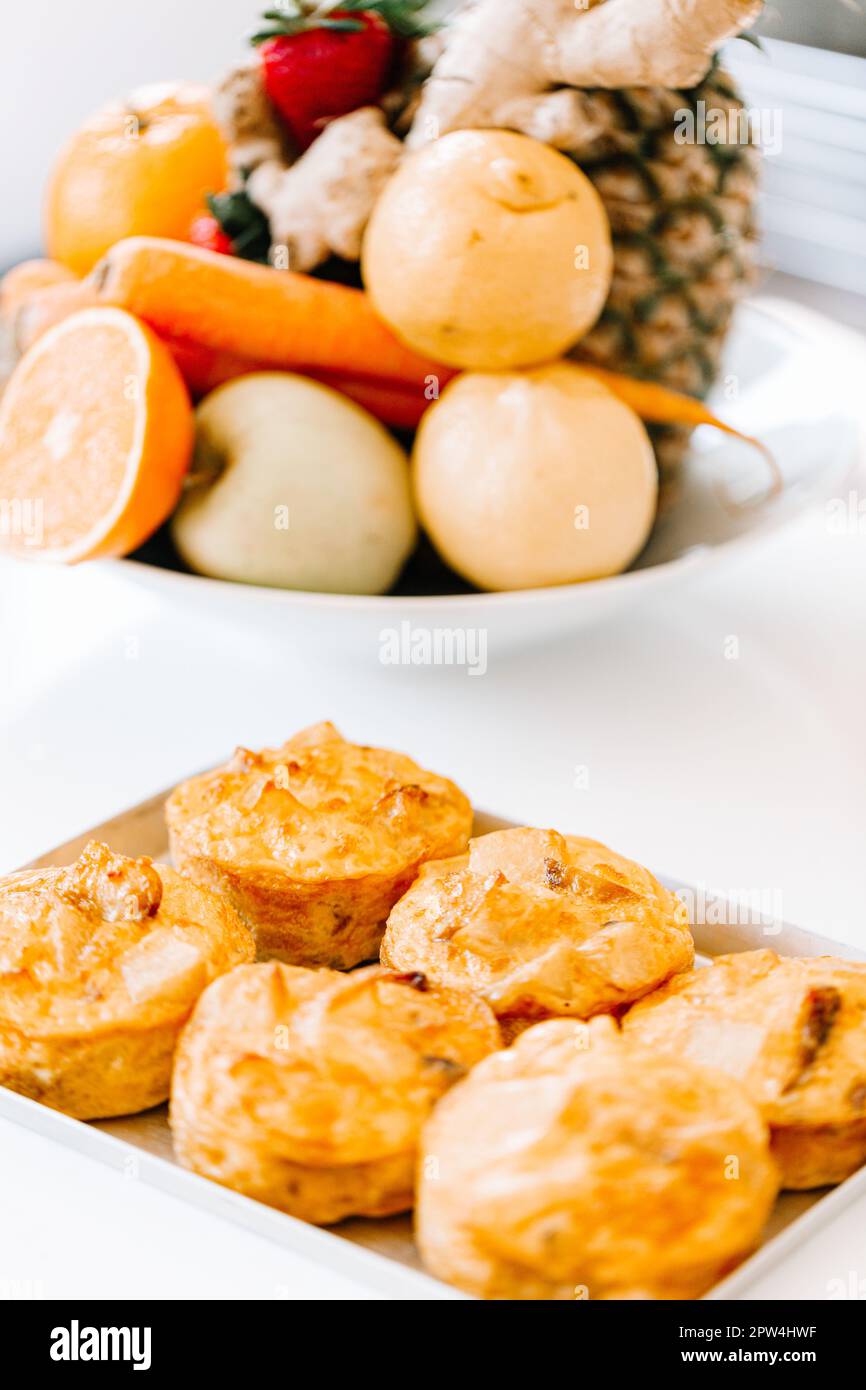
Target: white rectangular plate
{"type": "Point", "coordinates": [382, 1254]}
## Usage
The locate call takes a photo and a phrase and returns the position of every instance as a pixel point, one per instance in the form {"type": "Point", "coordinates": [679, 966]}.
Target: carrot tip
{"type": "Point", "coordinates": [738, 506]}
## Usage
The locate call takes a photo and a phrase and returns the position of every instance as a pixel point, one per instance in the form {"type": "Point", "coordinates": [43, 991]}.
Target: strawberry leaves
{"type": "Point", "coordinates": [300, 16]}
{"type": "Point", "coordinates": [296, 20]}
{"type": "Point", "coordinates": [403, 17]}
{"type": "Point", "coordinates": [243, 223]}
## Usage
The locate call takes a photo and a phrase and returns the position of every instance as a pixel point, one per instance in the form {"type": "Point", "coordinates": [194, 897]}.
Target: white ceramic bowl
{"type": "Point", "coordinates": [790, 376]}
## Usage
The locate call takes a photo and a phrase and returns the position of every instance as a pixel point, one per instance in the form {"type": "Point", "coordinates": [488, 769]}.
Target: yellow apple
{"type": "Point", "coordinates": [529, 478]}
{"type": "Point", "coordinates": [488, 249]}
{"type": "Point", "coordinates": [297, 487]}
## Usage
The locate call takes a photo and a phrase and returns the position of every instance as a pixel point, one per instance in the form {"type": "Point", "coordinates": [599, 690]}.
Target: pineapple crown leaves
{"type": "Point", "coordinates": [403, 17]}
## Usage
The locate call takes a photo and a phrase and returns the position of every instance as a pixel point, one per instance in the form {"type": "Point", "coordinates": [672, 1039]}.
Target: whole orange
{"type": "Point", "coordinates": [138, 167]}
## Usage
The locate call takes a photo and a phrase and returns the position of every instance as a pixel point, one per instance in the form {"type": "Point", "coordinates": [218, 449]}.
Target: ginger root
{"type": "Point", "coordinates": [248, 121]}
{"type": "Point", "coordinates": [320, 205]}
{"type": "Point", "coordinates": [505, 58]}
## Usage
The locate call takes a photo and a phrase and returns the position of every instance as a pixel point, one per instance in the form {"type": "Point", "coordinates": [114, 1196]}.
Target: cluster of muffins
{"type": "Point", "coordinates": [534, 1064]}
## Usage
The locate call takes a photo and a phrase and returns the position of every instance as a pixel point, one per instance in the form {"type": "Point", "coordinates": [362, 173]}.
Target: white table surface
{"type": "Point", "coordinates": [743, 774]}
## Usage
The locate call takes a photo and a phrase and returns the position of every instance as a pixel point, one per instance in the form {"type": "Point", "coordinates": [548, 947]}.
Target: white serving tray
{"type": "Point", "coordinates": [381, 1254]}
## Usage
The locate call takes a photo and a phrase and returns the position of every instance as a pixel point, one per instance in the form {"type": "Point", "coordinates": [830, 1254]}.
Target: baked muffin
{"type": "Point", "coordinates": [314, 842]}
{"type": "Point", "coordinates": [794, 1032]}
{"type": "Point", "coordinates": [576, 1165]}
{"type": "Point", "coordinates": [100, 965]}
{"type": "Point", "coordinates": [307, 1089]}
{"type": "Point", "coordinates": [541, 925]}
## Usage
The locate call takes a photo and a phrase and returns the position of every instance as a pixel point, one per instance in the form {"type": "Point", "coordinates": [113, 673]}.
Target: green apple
{"type": "Point", "coordinates": [295, 486]}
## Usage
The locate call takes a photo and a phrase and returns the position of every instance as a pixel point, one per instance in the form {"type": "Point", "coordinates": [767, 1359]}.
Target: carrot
{"type": "Point", "coordinates": [402, 404]}
{"type": "Point", "coordinates": [273, 317]}
{"type": "Point", "coordinates": [391, 403]}
{"type": "Point", "coordinates": [204, 369]}
{"type": "Point", "coordinates": [658, 405]}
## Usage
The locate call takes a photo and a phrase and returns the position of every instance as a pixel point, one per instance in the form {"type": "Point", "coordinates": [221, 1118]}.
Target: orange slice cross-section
{"type": "Point", "coordinates": [96, 433]}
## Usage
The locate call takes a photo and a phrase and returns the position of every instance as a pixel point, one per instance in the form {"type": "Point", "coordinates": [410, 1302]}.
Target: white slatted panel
{"type": "Point", "coordinates": [813, 203]}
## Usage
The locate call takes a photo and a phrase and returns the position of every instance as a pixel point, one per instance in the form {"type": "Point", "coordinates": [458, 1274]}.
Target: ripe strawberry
{"type": "Point", "coordinates": [319, 62]}
{"type": "Point", "coordinates": [206, 231]}
{"type": "Point", "coordinates": [232, 225]}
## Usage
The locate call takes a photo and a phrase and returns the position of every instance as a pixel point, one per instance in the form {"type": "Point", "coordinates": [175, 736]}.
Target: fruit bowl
{"type": "Point", "coordinates": [790, 376]}
{"type": "Point", "coordinates": [540, 476]}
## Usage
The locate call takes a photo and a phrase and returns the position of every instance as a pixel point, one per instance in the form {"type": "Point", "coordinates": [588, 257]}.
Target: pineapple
{"type": "Point", "coordinates": [684, 234]}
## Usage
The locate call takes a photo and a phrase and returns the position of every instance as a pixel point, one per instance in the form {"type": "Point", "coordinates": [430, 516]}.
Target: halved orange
{"type": "Point", "coordinates": [96, 433]}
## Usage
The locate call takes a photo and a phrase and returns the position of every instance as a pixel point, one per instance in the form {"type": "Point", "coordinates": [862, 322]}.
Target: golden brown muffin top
{"type": "Point", "coordinates": [323, 1067]}
{"type": "Point", "coordinates": [793, 1030]}
{"type": "Point", "coordinates": [319, 808]}
{"type": "Point", "coordinates": [109, 940]}
{"type": "Point", "coordinates": [540, 923]}
{"type": "Point", "coordinates": [576, 1159]}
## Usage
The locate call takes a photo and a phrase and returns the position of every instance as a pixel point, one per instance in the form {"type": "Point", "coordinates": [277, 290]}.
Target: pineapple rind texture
{"type": "Point", "coordinates": [685, 240]}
